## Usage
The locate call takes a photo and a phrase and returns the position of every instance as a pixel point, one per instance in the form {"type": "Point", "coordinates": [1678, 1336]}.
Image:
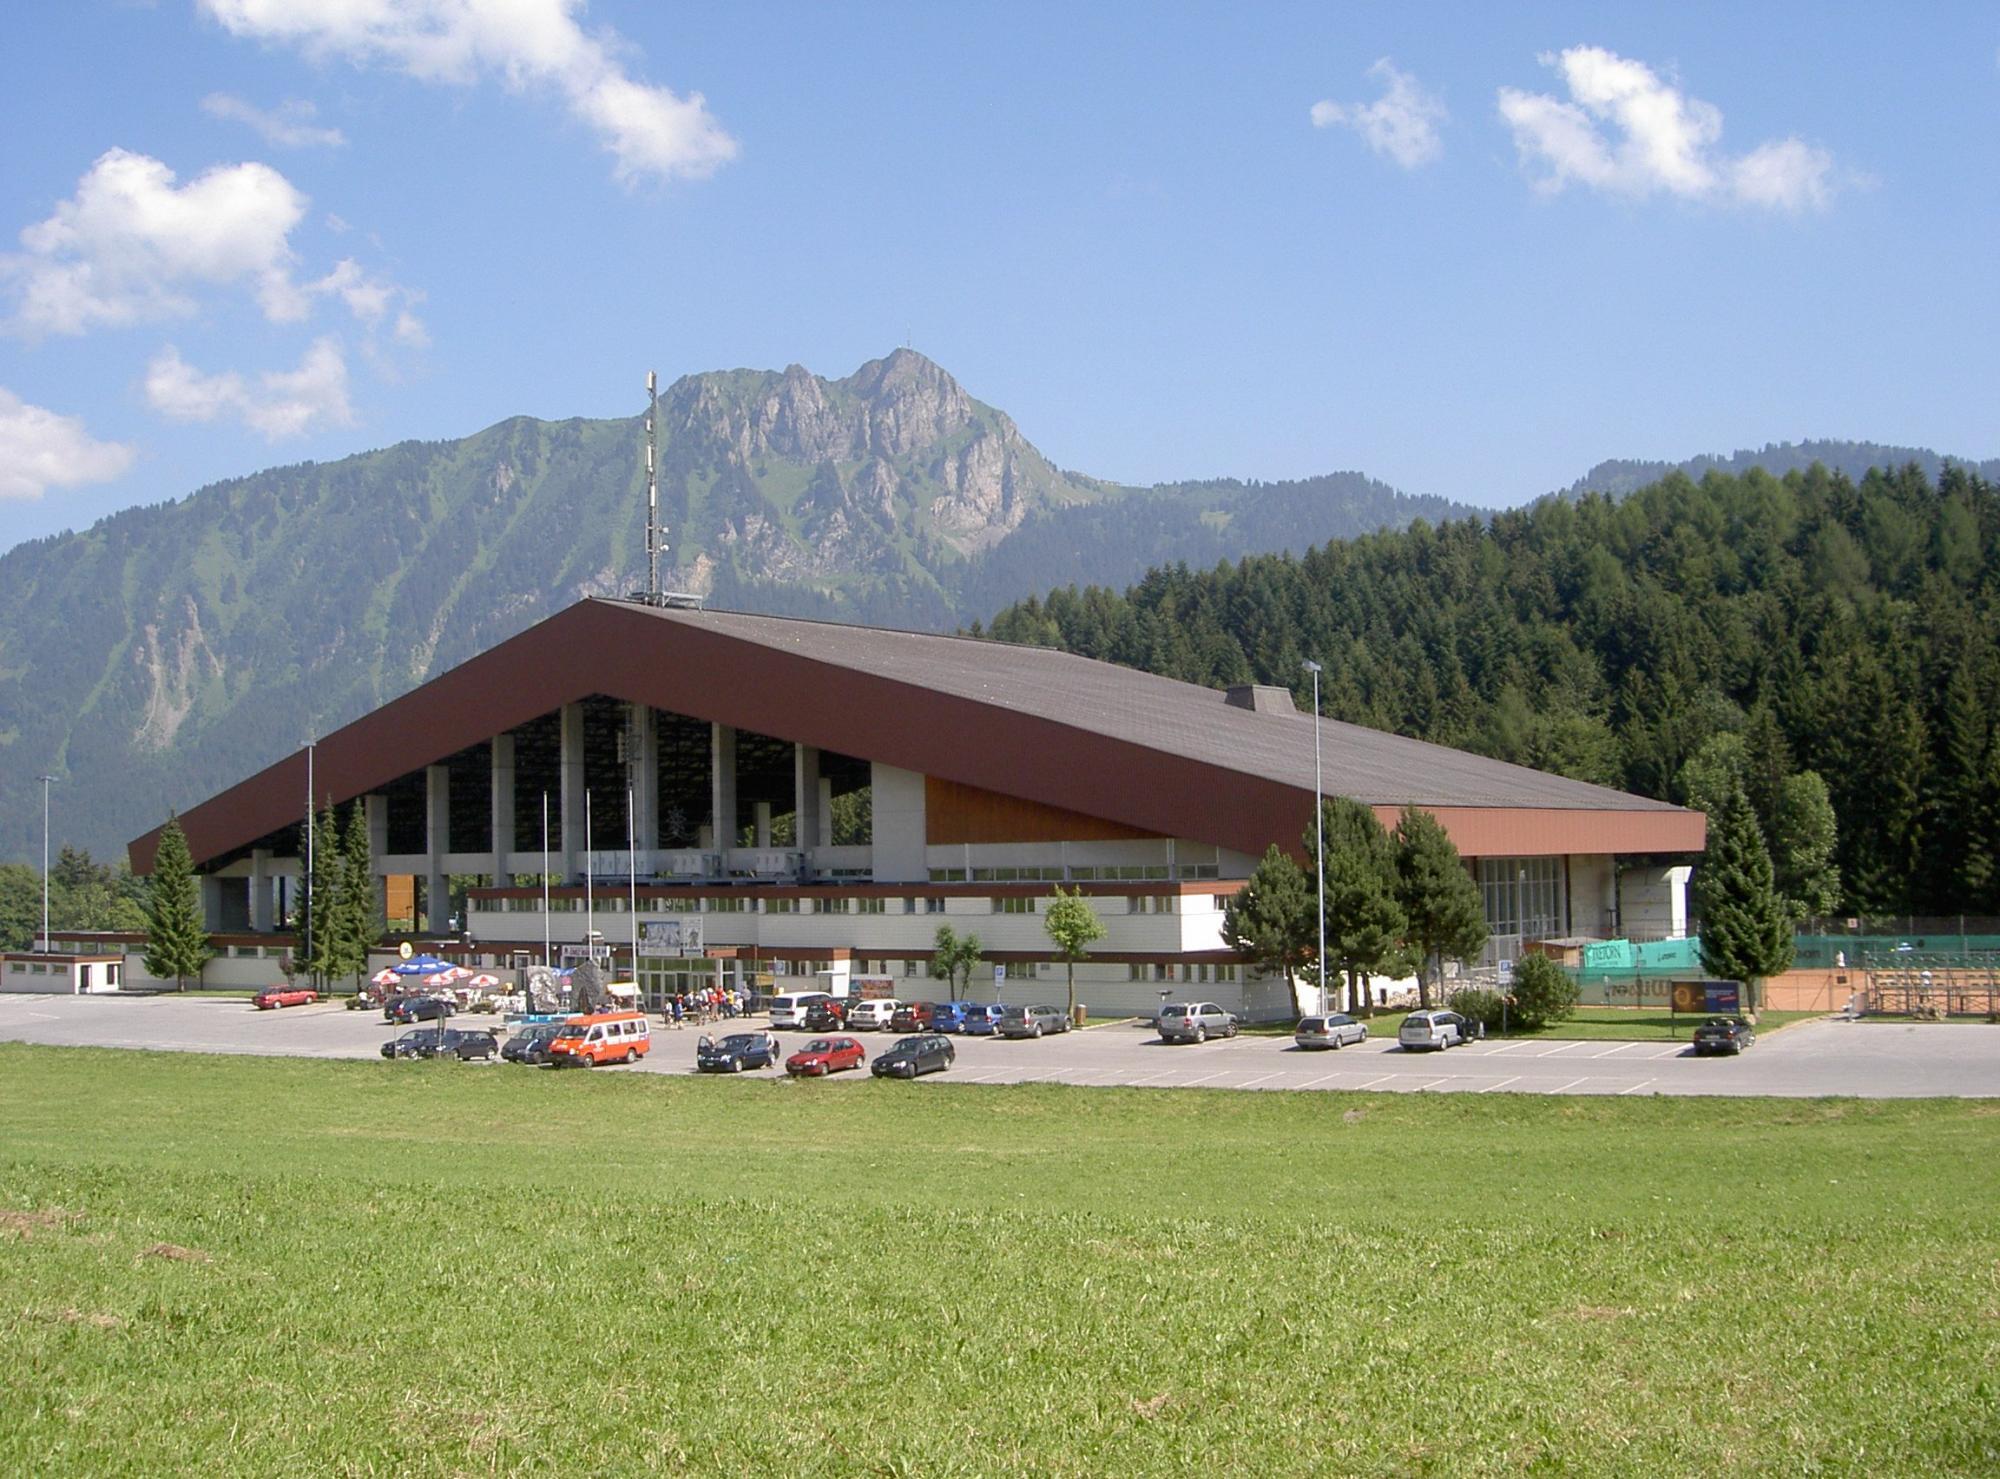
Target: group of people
{"type": "Point", "coordinates": [714, 1003]}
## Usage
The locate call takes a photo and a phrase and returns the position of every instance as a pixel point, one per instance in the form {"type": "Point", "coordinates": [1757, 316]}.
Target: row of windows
{"type": "Point", "coordinates": [1200, 973]}
{"type": "Point", "coordinates": [1106, 873]}
{"type": "Point", "coordinates": [1523, 896]}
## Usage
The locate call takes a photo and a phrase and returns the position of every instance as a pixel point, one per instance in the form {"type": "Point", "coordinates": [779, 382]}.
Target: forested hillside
{"type": "Point", "coordinates": [1838, 626]}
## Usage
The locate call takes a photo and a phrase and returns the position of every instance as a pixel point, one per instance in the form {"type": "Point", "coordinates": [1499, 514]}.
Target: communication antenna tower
{"type": "Point", "coordinates": [656, 538]}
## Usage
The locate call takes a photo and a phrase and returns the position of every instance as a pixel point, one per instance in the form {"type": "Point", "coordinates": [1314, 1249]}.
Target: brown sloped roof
{"type": "Point", "coordinates": [1058, 729]}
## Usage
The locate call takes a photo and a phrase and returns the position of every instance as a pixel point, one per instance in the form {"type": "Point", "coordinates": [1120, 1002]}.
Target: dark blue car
{"type": "Point", "coordinates": [738, 1051]}
{"type": "Point", "coordinates": [949, 1016]}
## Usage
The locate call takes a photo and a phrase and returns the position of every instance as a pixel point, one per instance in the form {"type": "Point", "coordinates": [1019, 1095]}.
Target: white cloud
{"type": "Point", "coordinates": [128, 246]}
{"type": "Point", "coordinates": [649, 130]}
{"type": "Point", "coordinates": [40, 450]}
{"type": "Point", "coordinates": [289, 126]}
{"type": "Point", "coordinates": [283, 403]}
{"type": "Point", "coordinates": [1627, 131]}
{"type": "Point", "coordinates": [1401, 125]}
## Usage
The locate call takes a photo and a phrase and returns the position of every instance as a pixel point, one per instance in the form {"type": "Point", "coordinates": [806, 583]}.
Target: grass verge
{"type": "Point", "coordinates": [251, 1265]}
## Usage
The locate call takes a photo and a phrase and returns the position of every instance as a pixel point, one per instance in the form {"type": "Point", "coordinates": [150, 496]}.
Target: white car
{"type": "Point", "coordinates": [1329, 1032]}
{"type": "Point", "coordinates": [872, 1015]}
{"type": "Point", "coordinates": [790, 1010]}
{"type": "Point", "coordinates": [1440, 1030]}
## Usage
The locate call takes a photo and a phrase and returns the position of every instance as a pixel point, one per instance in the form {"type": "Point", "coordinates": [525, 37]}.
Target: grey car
{"type": "Point", "coordinates": [1194, 1021]}
{"type": "Point", "coordinates": [1334, 1031]}
{"type": "Point", "coordinates": [1032, 1021]}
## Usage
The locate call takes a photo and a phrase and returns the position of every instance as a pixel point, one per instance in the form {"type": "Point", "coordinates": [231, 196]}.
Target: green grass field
{"type": "Point", "coordinates": [265, 1265]}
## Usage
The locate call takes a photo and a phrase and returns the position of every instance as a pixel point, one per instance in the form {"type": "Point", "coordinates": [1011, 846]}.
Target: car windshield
{"type": "Point", "coordinates": [1341, 1021]}
{"type": "Point", "coordinates": [738, 1042]}
{"type": "Point", "coordinates": [818, 1045]}
{"type": "Point", "coordinates": [909, 1044]}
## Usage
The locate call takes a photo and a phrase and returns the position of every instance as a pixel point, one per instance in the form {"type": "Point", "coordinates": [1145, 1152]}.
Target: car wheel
{"type": "Point", "coordinates": [1230, 1030]}
{"type": "Point", "coordinates": [1201, 1034]}
{"type": "Point", "coordinates": [1037, 1032]}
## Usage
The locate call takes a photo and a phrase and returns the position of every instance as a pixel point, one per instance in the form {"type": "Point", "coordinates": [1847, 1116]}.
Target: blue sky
{"type": "Point", "coordinates": [1469, 250]}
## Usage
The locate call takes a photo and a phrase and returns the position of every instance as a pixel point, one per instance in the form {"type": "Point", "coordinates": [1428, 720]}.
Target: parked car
{"type": "Point", "coordinates": [929, 1052]}
{"type": "Point", "coordinates": [273, 997]}
{"type": "Point", "coordinates": [1335, 1031]}
{"type": "Point", "coordinates": [872, 1016]}
{"type": "Point", "coordinates": [1723, 1035]}
{"type": "Point", "coordinates": [1032, 1021]}
{"type": "Point", "coordinates": [598, 1038]}
{"type": "Point", "coordinates": [462, 1043]}
{"type": "Point", "coordinates": [790, 1009]}
{"type": "Point", "coordinates": [423, 1009]}
{"type": "Point", "coordinates": [1194, 1021]}
{"type": "Point", "coordinates": [531, 1044]}
{"type": "Point", "coordinates": [412, 1044]}
{"type": "Point", "coordinates": [736, 1052]}
{"type": "Point", "coordinates": [950, 1016]}
{"type": "Point", "coordinates": [824, 1055]}
{"type": "Point", "coordinates": [1425, 1031]}
{"type": "Point", "coordinates": [913, 1016]}
{"type": "Point", "coordinates": [982, 1019]}
{"type": "Point", "coordinates": [824, 1016]}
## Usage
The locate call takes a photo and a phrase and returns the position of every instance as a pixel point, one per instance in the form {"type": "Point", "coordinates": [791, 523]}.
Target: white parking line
{"type": "Point", "coordinates": [1320, 1080]}
{"type": "Point", "coordinates": [1133, 1083]}
{"type": "Point", "coordinates": [1497, 1049]}
{"type": "Point", "coordinates": [1434, 1083]}
{"type": "Point", "coordinates": [1369, 1084]}
{"type": "Point", "coordinates": [1617, 1048]}
{"type": "Point", "coordinates": [1252, 1083]}
{"type": "Point", "coordinates": [1571, 1084]}
{"type": "Point", "coordinates": [1502, 1084]}
{"type": "Point", "coordinates": [1188, 1083]}
{"type": "Point", "coordinates": [1638, 1086]}
{"type": "Point", "coordinates": [1561, 1047]}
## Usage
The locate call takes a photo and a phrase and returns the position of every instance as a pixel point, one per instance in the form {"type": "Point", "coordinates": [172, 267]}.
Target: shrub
{"type": "Point", "coordinates": [1476, 1004]}
{"type": "Point", "coordinates": [1543, 992]}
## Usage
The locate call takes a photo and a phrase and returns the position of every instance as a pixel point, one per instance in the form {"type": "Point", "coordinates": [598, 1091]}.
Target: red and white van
{"type": "Point", "coordinates": [602, 1037]}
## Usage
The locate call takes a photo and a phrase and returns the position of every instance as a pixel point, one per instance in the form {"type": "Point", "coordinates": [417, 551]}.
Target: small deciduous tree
{"type": "Point", "coordinates": [1072, 926]}
{"type": "Point", "coordinates": [1440, 900]}
{"type": "Point", "coordinates": [1544, 993]}
{"type": "Point", "coordinates": [1746, 929]}
{"type": "Point", "coordinates": [1270, 919]}
{"type": "Point", "coordinates": [176, 935]}
{"type": "Point", "coordinates": [952, 958]}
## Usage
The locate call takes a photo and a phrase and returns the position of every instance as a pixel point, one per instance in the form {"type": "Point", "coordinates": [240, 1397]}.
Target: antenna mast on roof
{"type": "Point", "coordinates": [656, 542]}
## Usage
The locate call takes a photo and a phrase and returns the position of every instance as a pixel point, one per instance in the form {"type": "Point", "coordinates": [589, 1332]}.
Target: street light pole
{"type": "Point", "coordinates": [1319, 835]}
{"type": "Point", "coordinates": [306, 893]}
{"type": "Point", "coordinates": [47, 781]}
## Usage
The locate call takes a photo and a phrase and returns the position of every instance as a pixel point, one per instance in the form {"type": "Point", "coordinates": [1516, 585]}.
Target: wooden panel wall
{"type": "Point", "coordinates": [955, 814]}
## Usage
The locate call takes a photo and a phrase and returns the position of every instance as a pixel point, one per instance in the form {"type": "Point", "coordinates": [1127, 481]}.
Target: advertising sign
{"type": "Point", "coordinates": [671, 937]}
{"type": "Point", "coordinates": [1714, 997]}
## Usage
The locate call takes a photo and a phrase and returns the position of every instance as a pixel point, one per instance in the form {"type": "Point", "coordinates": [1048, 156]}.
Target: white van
{"type": "Point", "coordinates": [790, 1010]}
{"type": "Point", "coordinates": [872, 1015]}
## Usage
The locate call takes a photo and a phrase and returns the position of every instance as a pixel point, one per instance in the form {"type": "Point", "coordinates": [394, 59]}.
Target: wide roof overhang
{"type": "Point", "coordinates": [1049, 727]}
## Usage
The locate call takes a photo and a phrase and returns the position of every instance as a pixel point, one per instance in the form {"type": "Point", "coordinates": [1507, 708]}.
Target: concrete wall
{"type": "Point", "coordinates": [898, 803]}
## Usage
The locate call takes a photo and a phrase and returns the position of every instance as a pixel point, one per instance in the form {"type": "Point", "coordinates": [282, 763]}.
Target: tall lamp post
{"type": "Point", "coordinates": [1319, 836]}
{"type": "Point", "coordinates": [47, 781]}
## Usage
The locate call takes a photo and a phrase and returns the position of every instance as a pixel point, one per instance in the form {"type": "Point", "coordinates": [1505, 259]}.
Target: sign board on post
{"type": "Point", "coordinates": [1506, 971]}
{"type": "Point", "coordinates": [999, 973]}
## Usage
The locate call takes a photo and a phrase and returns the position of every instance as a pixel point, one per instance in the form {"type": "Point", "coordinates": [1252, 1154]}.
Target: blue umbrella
{"type": "Point", "coordinates": [420, 965]}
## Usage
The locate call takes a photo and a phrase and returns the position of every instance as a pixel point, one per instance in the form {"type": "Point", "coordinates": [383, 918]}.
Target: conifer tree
{"type": "Point", "coordinates": [325, 954]}
{"type": "Point", "coordinates": [176, 935]}
{"type": "Point", "coordinates": [1746, 930]}
{"type": "Point", "coordinates": [1364, 923]}
{"type": "Point", "coordinates": [361, 923]}
{"type": "Point", "coordinates": [1446, 917]}
{"type": "Point", "coordinates": [1270, 919]}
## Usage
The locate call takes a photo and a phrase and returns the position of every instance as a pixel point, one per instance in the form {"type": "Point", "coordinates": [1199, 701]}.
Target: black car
{"type": "Point", "coordinates": [450, 1042]}
{"type": "Point", "coordinates": [928, 1052]}
{"type": "Point", "coordinates": [823, 1016]}
{"type": "Point", "coordinates": [422, 1009]}
{"type": "Point", "coordinates": [531, 1044]}
{"type": "Point", "coordinates": [1723, 1035]}
{"type": "Point", "coordinates": [736, 1052]}
{"type": "Point", "coordinates": [416, 1043]}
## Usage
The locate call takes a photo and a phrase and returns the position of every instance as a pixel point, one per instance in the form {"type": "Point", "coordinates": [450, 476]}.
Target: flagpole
{"type": "Point", "coordinates": [589, 904]}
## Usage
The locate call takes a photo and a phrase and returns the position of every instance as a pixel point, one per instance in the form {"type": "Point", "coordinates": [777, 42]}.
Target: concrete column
{"type": "Point", "coordinates": [502, 804]}
{"type": "Point", "coordinates": [260, 890]}
{"type": "Point", "coordinates": [807, 822]}
{"type": "Point", "coordinates": [761, 810]}
{"type": "Point", "coordinates": [722, 785]}
{"type": "Point", "coordinates": [437, 842]}
{"type": "Point", "coordinates": [570, 863]}
{"type": "Point", "coordinates": [644, 738]}
{"type": "Point", "coordinates": [211, 902]}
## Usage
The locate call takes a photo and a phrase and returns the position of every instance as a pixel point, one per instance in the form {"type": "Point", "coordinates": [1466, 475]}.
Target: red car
{"type": "Point", "coordinates": [824, 1055]}
{"type": "Point", "coordinates": [272, 997]}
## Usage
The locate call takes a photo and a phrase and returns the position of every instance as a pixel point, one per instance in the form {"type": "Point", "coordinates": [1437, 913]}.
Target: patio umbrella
{"type": "Point", "coordinates": [383, 977]}
{"type": "Point", "coordinates": [451, 975]}
{"type": "Point", "coordinates": [420, 965]}
{"type": "Point", "coordinates": [485, 981]}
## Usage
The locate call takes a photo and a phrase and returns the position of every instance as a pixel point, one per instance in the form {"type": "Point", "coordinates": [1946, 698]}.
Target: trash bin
{"type": "Point", "coordinates": [1079, 1014]}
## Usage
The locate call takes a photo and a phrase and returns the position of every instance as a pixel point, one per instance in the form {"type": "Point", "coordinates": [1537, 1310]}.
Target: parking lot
{"type": "Point", "coordinates": [1868, 1059]}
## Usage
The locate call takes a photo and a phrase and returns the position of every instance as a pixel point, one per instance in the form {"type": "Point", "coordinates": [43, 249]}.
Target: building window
{"type": "Point", "coordinates": [933, 906]}
{"type": "Point", "coordinates": [1523, 896]}
{"type": "Point", "coordinates": [1013, 906]}
{"type": "Point", "coordinates": [730, 905]}
{"type": "Point", "coordinates": [1150, 904]}
{"type": "Point", "coordinates": [830, 906]}
{"type": "Point", "coordinates": [947, 875]}
{"type": "Point", "coordinates": [871, 906]}
{"type": "Point", "coordinates": [781, 906]}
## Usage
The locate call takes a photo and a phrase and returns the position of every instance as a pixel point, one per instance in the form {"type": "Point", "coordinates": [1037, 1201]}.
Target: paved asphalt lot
{"type": "Point", "coordinates": [1871, 1060]}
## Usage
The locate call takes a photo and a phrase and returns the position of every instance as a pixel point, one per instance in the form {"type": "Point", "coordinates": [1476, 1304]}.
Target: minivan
{"type": "Point", "coordinates": [1434, 1030]}
{"type": "Point", "coordinates": [790, 1010]}
{"type": "Point", "coordinates": [602, 1037]}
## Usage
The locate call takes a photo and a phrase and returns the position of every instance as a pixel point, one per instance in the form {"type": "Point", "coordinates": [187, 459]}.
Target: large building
{"type": "Point", "coordinates": [767, 801]}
